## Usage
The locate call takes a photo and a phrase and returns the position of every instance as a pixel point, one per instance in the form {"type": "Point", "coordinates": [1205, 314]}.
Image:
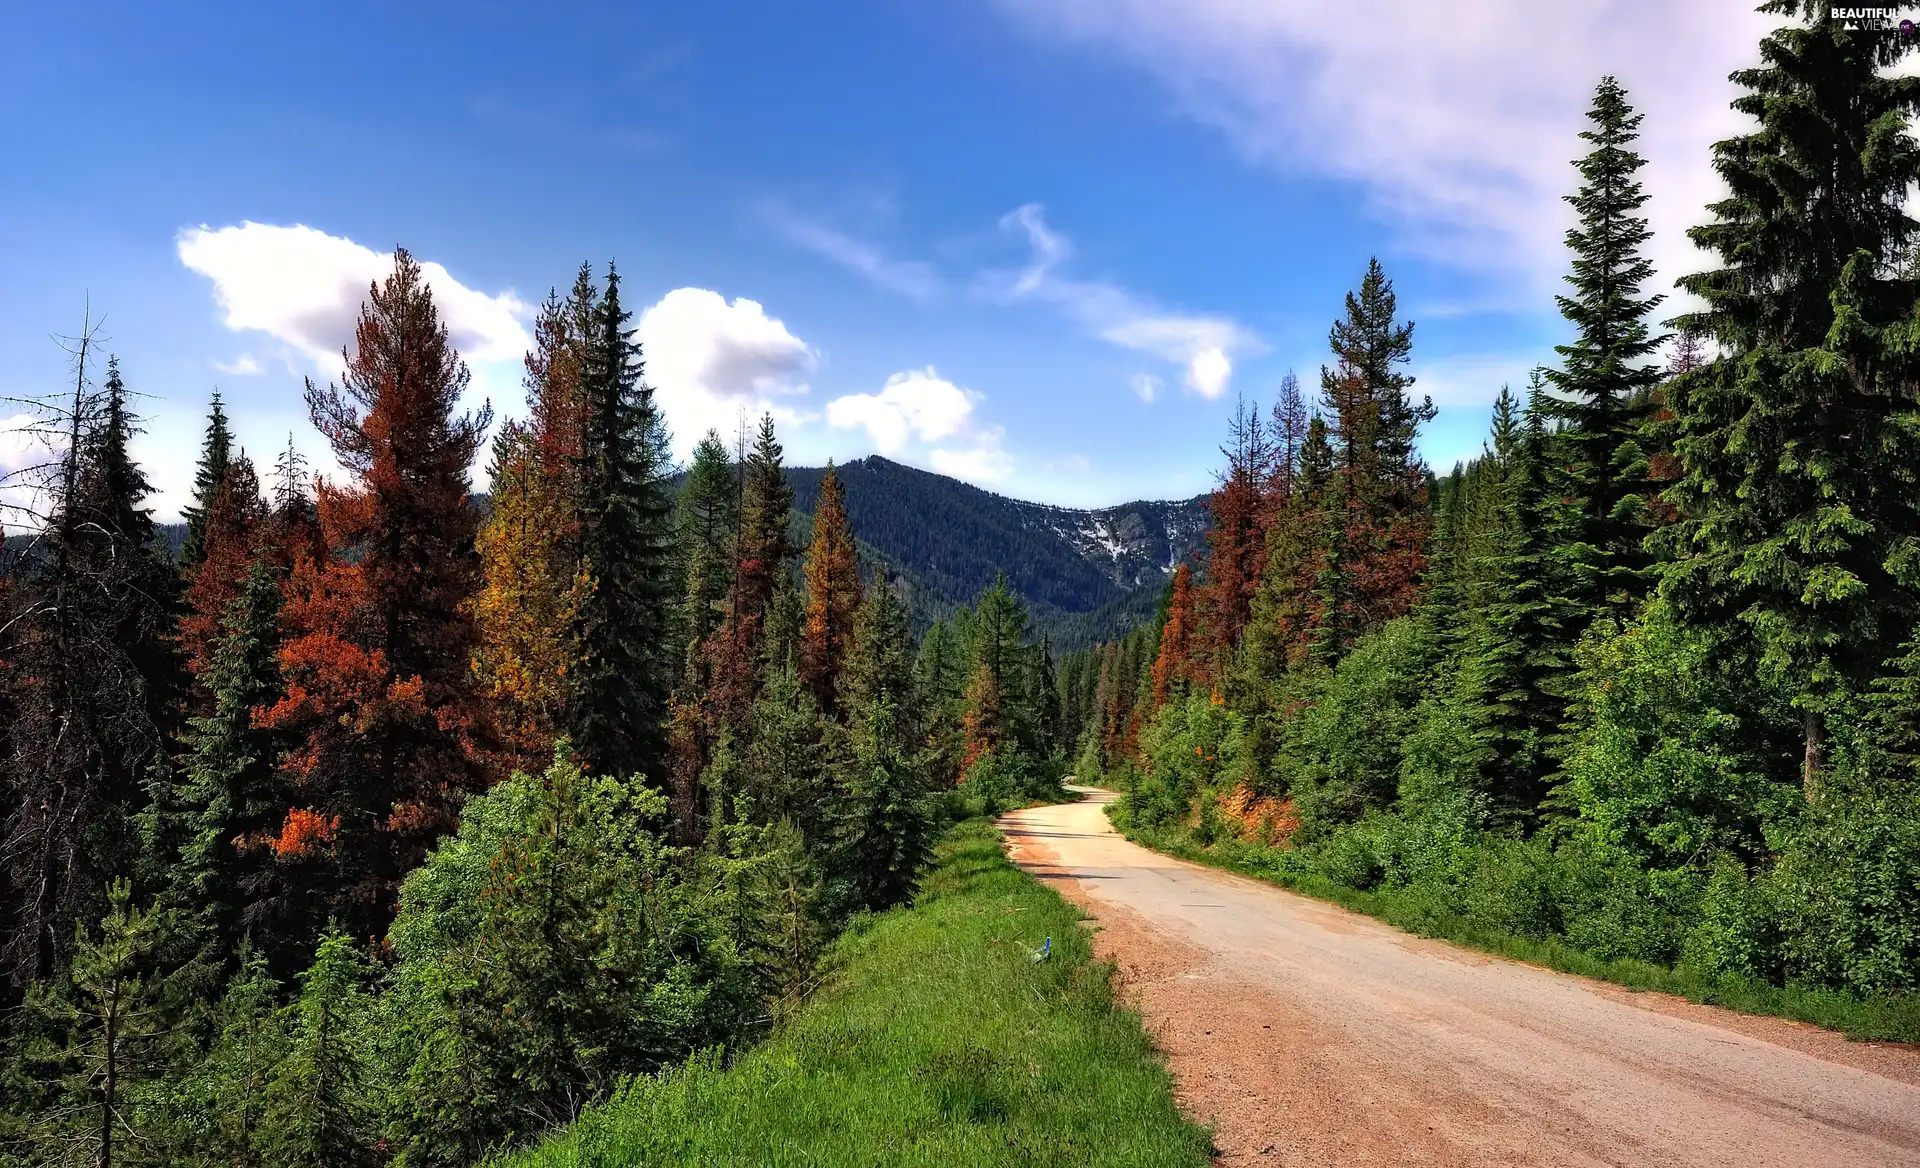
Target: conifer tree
{"type": "Point", "coordinates": [707, 522]}
{"type": "Point", "coordinates": [318, 1114]}
{"type": "Point", "coordinates": [738, 648]}
{"type": "Point", "coordinates": [618, 705]}
{"type": "Point", "coordinates": [215, 454]}
{"type": "Point", "coordinates": [1513, 675]}
{"type": "Point", "coordinates": [1380, 517]}
{"type": "Point", "coordinates": [1606, 378]}
{"type": "Point", "coordinates": [833, 593]}
{"type": "Point", "coordinates": [880, 663]}
{"type": "Point", "coordinates": [1241, 506]}
{"type": "Point", "coordinates": [230, 528]}
{"type": "Point", "coordinates": [92, 687]}
{"type": "Point", "coordinates": [232, 800]}
{"type": "Point", "coordinates": [387, 733]}
{"type": "Point", "coordinates": [1798, 502]}
{"type": "Point", "coordinates": [884, 829]}
{"type": "Point", "coordinates": [1171, 665]}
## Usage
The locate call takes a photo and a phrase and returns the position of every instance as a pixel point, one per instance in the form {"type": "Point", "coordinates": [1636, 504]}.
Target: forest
{"type": "Point", "coordinates": [378, 827]}
{"type": "Point", "coordinates": [1642, 680]}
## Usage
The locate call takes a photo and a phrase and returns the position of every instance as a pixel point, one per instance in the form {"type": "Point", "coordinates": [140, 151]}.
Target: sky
{"type": "Point", "coordinates": [1042, 245]}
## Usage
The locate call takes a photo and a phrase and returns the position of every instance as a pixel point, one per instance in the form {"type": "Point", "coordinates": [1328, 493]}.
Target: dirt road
{"type": "Point", "coordinates": [1313, 1036]}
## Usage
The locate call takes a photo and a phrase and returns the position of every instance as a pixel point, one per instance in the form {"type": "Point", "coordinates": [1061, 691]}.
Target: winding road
{"type": "Point", "coordinates": [1309, 1035]}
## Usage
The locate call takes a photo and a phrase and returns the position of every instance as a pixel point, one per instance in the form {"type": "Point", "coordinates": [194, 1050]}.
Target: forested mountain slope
{"type": "Point", "coordinates": [1086, 574]}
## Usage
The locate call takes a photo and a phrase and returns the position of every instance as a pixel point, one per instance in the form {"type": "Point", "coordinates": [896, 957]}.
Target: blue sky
{"type": "Point", "coordinates": [974, 235]}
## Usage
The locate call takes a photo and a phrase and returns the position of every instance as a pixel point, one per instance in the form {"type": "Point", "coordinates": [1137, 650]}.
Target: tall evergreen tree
{"type": "Point", "coordinates": [618, 706]}
{"type": "Point", "coordinates": [833, 593]}
{"type": "Point", "coordinates": [706, 522]}
{"type": "Point", "coordinates": [388, 735]}
{"type": "Point", "coordinates": [92, 687]}
{"type": "Point", "coordinates": [1606, 377]}
{"type": "Point", "coordinates": [1799, 505]}
{"type": "Point", "coordinates": [216, 452]}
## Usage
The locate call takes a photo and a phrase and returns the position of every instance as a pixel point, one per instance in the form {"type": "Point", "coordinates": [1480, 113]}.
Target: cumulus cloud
{"type": "Point", "coordinates": [304, 287]}
{"type": "Point", "coordinates": [1456, 122]}
{"type": "Point", "coordinates": [984, 463]}
{"type": "Point", "coordinates": [1202, 345]}
{"type": "Point", "coordinates": [922, 416]}
{"type": "Point", "coordinates": [709, 359]}
{"type": "Point", "coordinates": [911, 278]}
{"type": "Point", "coordinates": [917, 404]}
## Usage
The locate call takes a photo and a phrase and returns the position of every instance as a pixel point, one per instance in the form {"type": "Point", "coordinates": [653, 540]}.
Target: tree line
{"type": "Point", "coordinates": [1641, 676]}
{"type": "Point", "coordinates": [378, 828]}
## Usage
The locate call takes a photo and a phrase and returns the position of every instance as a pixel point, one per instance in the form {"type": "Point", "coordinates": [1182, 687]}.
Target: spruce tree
{"type": "Point", "coordinates": [317, 1112]}
{"type": "Point", "coordinates": [1513, 675]}
{"type": "Point", "coordinates": [92, 686]}
{"type": "Point", "coordinates": [617, 709]}
{"type": "Point", "coordinates": [229, 791]}
{"type": "Point", "coordinates": [706, 524]}
{"type": "Point", "coordinates": [832, 572]}
{"type": "Point", "coordinates": [1606, 377]}
{"type": "Point", "coordinates": [1799, 502]}
{"type": "Point", "coordinates": [216, 452]}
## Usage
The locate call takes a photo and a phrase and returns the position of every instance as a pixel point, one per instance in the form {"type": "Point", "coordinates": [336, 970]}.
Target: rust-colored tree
{"type": "Point", "coordinates": [231, 528]}
{"type": "Point", "coordinates": [390, 730]}
{"type": "Point", "coordinates": [1237, 542]}
{"type": "Point", "coordinates": [532, 583]}
{"type": "Point", "coordinates": [1173, 665]}
{"type": "Point", "coordinates": [833, 593]}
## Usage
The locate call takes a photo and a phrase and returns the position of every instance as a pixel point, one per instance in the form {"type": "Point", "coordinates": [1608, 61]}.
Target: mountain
{"type": "Point", "coordinates": [1087, 574]}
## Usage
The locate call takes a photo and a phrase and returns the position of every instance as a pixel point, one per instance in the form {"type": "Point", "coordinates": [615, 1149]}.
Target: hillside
{"type": "Point", "coordinates": [1087, 574]}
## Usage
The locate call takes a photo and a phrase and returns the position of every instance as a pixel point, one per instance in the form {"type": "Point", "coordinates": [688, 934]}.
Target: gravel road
{"type": "Point", "coordinates": [1309, 1035]}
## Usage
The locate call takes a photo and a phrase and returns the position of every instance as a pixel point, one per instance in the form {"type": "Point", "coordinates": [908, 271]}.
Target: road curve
{"type": "Point", "coordinates": [1310, 1035]}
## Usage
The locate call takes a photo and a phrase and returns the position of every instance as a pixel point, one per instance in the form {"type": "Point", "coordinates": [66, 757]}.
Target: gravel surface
{"type": "Point", "coordinates": [1309, 1035]}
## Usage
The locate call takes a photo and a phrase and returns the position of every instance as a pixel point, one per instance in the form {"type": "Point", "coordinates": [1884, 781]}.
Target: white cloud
{"type": "Point", "coordinates": [984, 463]}
{"type": "Point", "coordinates": [305, 287]}
{"type": "Point", "coordinates": [1202, 345]}
{"type": "Point", "coordinates": [1146, 386]}
{"type": "Point", "coordinates": [245, 365]}
{"type": "Point", "coordinates": [708, 359]}
{"type": "Point", "coordinates": [916, 404]}
{"type": "Point", "coordinates": [1457, 121]}
{"type": "Point", "coordinates": [923, 417]}
{"type": "Point", "coordinates": [907, 277]}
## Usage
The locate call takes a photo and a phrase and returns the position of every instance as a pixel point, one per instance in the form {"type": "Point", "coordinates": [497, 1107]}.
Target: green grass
{"type": "Point", "coordinates": [1424, 913]}
{"type": "Point", "coordinates": [936, 1040]}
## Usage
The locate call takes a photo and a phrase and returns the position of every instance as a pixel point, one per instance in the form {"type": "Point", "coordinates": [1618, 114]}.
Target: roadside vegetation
{"type": "Point", "coordinates": [936, 1038]}
{"type": "Point", "coordinates": [1636, 692]}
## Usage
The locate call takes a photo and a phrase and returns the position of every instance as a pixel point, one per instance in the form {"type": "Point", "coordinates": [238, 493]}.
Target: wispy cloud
{"type": "Point", "coordinates": [1455, 121]}
{"type": "Point", "coordinates": [912, 278]}
{"type": "Point", "coordinates": [245, 365]}
{"type": "Point", "coordinates": [1204, 346]}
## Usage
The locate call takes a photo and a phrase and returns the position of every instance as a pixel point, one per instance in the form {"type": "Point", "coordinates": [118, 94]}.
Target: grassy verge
{"type": "Point", "coordinates": [937, 1040]}
{"type": "Point", "coordinates": [1425, 913]}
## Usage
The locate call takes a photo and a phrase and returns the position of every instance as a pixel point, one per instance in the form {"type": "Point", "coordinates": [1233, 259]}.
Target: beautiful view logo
{"type": "Point", "coordinates": [1872, 18]}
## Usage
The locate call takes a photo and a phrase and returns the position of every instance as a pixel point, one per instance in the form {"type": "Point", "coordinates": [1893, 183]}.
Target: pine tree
{"type": "Point", "coordinates": [1172, 665]}
{"type": "Point", "coordinates": [738, 648]}
{"type": "Point", "coordinates": [1379, 511]}
{"type": "Point", "coordinates": [1799, 505]}
{"type": "Point", "coordinates": [1514, 672]}
{"type": "Point", "coordinates": [317, 1112]}
{"type": "Point", "coordinates": [618, 706]}
{"type": "Point", "coordinates": [1606, 379]}
{"type": "Point", "coordinates": [230, 529]}
{"type": "Point", "coordinates": [232, 799]}
{"type": "Point", "coordinates": [883, 826]}
{"type": "Point", "coordinates": [1242, 507]}
{"type": "Point", "coordinates": [92, 687]}
{"type": "Point", "coordinates": [707, 523]}
{"type": "Point", "coordinates": [880, 664]}
{"type": "Point", "coordinates": [833, 593]}
{"type": "Point", "coordinates": [216, 452]}
{"type": "Point", "coordinates": [387, 733]}
{"type": "Point", "coordinates": [115, 1022]}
